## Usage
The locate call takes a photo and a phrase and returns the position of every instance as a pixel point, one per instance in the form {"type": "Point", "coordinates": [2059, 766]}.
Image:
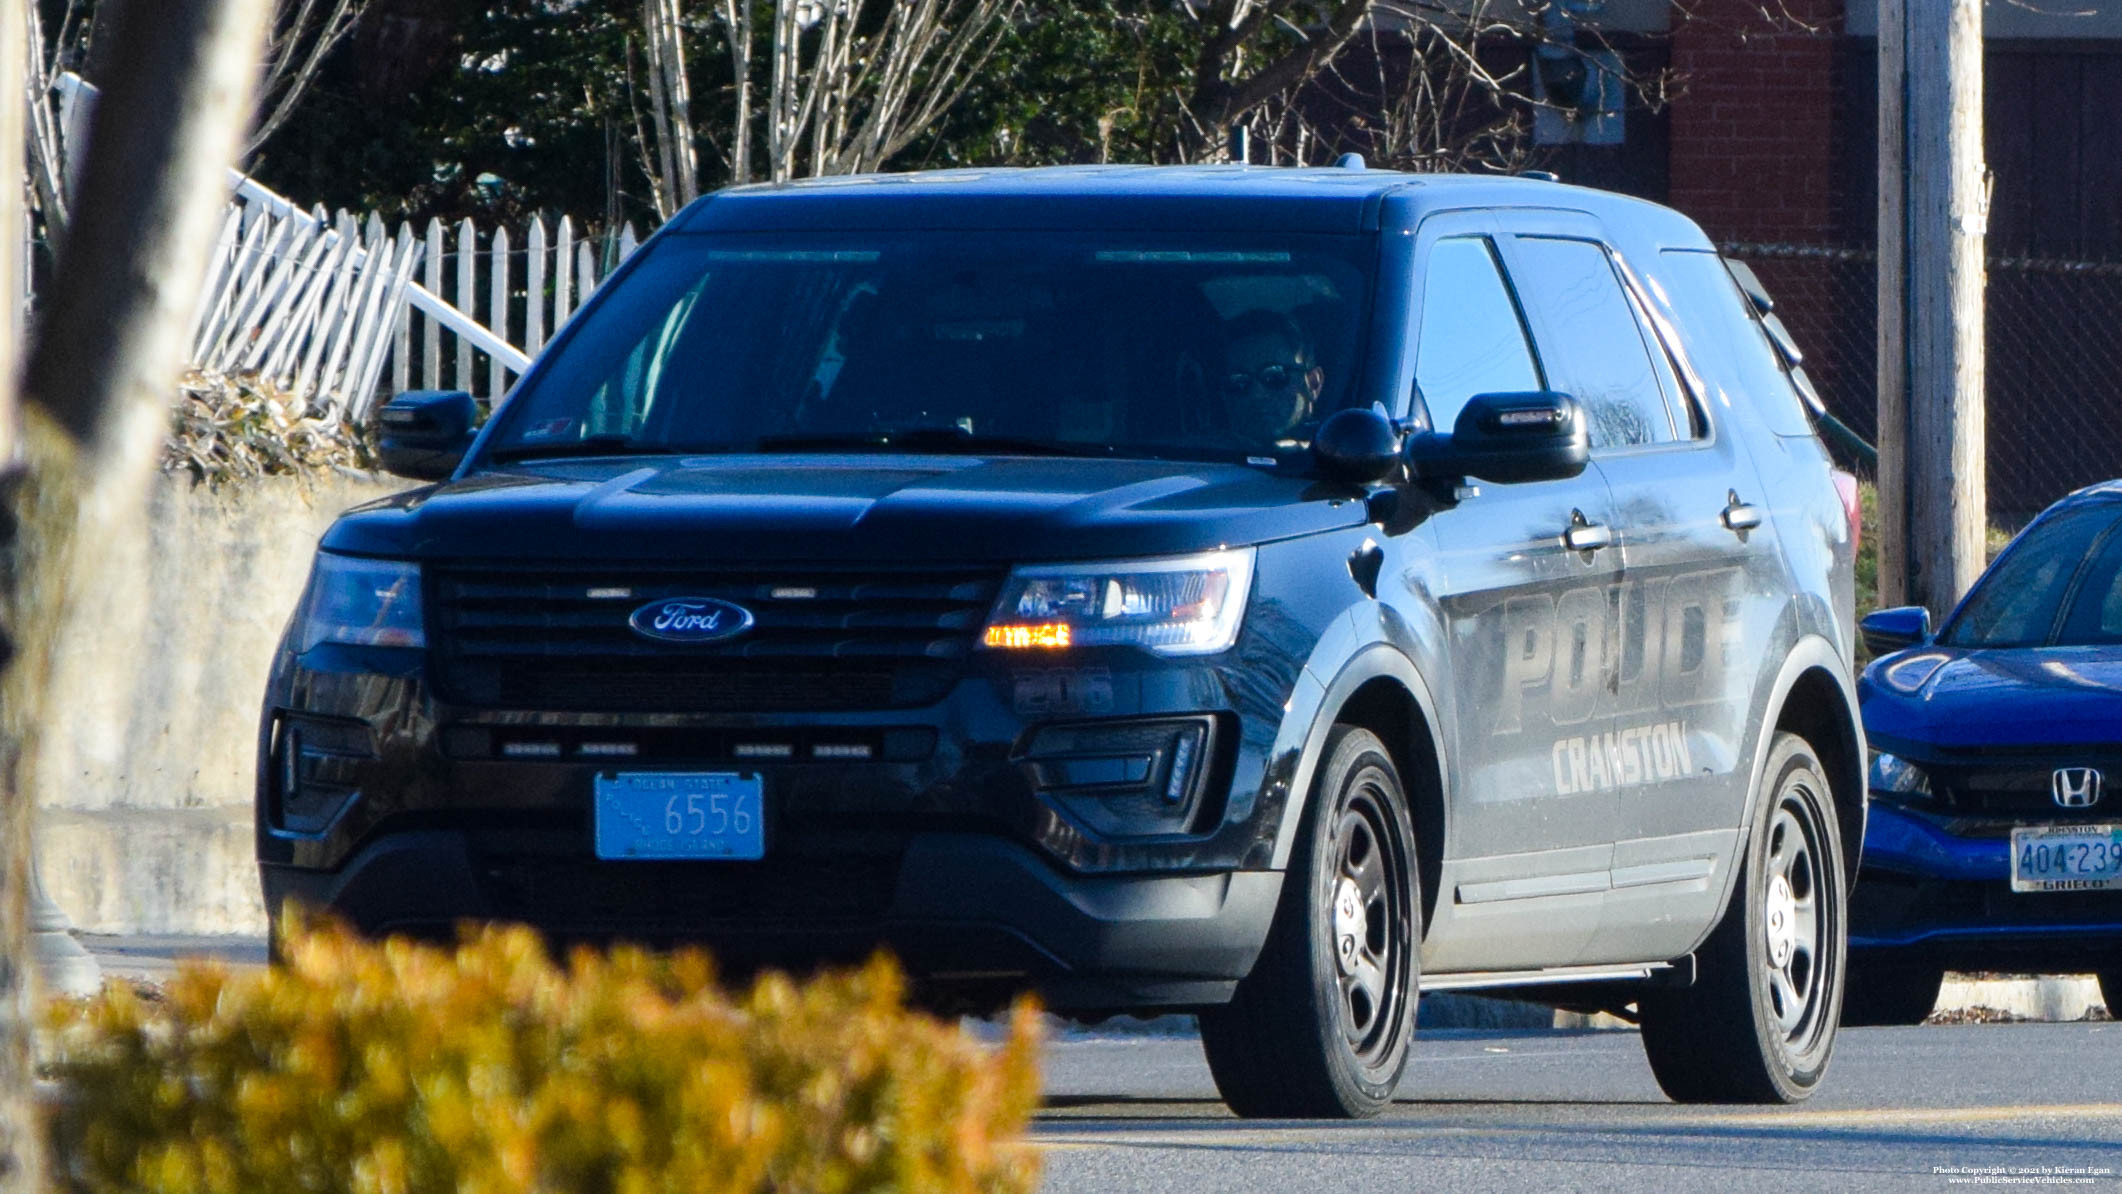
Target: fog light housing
{"type": "Point", "coordinates": [1125, 779]}
{"type": "Point", "coordinates": [315, 772]}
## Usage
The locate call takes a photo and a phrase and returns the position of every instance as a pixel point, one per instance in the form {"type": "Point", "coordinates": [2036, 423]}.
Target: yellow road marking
{"type": "Point", "coordinates": [1152, 1137]}
{"type": "Point", "coordinates": [1927, 1115]}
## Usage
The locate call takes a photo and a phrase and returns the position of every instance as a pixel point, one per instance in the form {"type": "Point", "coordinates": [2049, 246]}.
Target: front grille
{"type": "Point", "coordinates": [2020, 789]}
{"type": "Point", "coordinates": [558, 639]}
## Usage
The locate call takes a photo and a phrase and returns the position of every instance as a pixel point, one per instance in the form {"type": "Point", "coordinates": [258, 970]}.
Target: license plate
{"type": "Point", "coordinates": [2078, 858]}
{"type": "Point", "coordinates": [706, 815]}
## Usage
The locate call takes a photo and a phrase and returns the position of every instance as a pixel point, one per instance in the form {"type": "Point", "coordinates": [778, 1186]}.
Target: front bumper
{"type": "Point", "coordinates": [968, 912]}
{"type": "Point", "coordinates": [1938, 889]}
{"type": "Point", "coordinates": [972, 840]}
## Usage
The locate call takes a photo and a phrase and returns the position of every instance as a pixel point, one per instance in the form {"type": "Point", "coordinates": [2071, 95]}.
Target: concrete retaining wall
{"type": "Point", "coordinates": [145, 803]}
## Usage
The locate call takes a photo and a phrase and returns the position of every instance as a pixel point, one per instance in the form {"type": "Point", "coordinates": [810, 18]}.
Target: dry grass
{"type": "Point", "coordinates": [239, 429]}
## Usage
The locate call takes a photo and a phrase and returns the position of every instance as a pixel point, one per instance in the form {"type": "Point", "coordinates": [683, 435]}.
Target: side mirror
{"type": "Point", "coordinates": [1888, 630]}
{"type": "Point", "coordinates": [1357, 445]}
{"type": "Point", "coordinates": [1508, 439]}
{"type": "Point", "coordinates": [422, 435]}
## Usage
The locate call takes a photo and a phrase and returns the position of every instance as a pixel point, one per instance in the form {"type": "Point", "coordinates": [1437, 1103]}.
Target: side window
{"type": "Point", "coordinates": [1472, 340]}
{"type": "Point", "coordinates": [1726, 342]}
{"type": "Point", "coordinates": [1677, 403]}
{"type": "Point", "coordinates": [1592, 343]}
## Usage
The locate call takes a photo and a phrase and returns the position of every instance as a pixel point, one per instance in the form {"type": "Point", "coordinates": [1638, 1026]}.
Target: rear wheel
{"type": "Point", "coordinates": [1758, 1025]}
{"type": "Point", "coordinates": [2111, 992]}
{"type": "Point", "coordinates": [1884, 992]}
{"type": "Point", "coordinates": [1320, 1029]}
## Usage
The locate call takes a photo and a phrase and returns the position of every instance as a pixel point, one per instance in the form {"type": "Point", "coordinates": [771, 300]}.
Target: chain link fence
{"type": "Point", "coordinates": [2054, 410]}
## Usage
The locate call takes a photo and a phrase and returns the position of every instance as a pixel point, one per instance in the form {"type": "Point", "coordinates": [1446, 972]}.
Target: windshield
{"type": "Point", "coordinates": [1072, 342]}
{"type": "Point", "coordinates": [2058, 585]}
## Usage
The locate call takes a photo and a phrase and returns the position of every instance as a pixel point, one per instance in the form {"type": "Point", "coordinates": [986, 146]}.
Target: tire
{"type": "Point", "coordinates": [1321, 1027]}
{"type": "Point", "coordinates": [2111, 992]}
{"type": "Point", "coordinates": [1884, 992]}
{"type": "Point", "coordinates": [1758, 1025]}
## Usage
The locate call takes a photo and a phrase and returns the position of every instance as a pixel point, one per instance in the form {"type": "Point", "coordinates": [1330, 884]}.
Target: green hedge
{"type": "Point", "coordinates": [398, 1068]}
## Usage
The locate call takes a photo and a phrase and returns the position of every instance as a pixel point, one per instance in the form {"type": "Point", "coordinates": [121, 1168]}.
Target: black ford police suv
{"type": "Point", "coordinates": [1267, 593]}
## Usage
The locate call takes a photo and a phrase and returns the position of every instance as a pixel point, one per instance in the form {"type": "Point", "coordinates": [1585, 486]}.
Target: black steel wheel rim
{"type": "Point", "coordinates": [1369, 922]}
{"type": "Point", "coordinates": [1798, 903]}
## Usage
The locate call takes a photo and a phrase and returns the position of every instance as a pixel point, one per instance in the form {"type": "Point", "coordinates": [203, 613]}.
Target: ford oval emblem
{"type": "Point", "coordinates": [691, 620]}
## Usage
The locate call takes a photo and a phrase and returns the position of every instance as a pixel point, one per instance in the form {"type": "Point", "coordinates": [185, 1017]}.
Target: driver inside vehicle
{"type": "Point", "coordinates": [1271, 376]}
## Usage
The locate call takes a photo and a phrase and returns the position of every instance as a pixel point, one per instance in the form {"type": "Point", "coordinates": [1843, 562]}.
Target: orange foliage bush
{"type": "Point", "coordinates": [399, 1068]}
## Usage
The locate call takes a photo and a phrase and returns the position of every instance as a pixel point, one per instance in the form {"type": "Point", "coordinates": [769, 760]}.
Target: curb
{"type": "Point", "coordinates": [2046, 998]}
{"type": "Point", "coordinates": [2061, 998]}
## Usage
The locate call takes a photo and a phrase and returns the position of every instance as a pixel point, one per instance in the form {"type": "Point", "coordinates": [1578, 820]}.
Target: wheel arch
{"type": "Point", "coordinates": [1815, 698]}
{"type": "Point", "coordinates": [1380, 690]}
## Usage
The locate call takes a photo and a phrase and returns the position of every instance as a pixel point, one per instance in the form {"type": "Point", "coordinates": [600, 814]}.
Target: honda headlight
{"type": "Point", "coordinates": [1183, 605]}
{"type": "Point", "coordinates": [1896, 776]}
{"type": "Point", "coordinates": [363, 603]}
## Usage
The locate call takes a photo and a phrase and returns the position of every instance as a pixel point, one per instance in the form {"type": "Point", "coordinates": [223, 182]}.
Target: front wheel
{"type": "Point", "coordinates": [2111, 992]}
{"type": "Point", "coordinates": [1758, 1025]}
{"type": "Point", "coordinates": [1320, 1029]}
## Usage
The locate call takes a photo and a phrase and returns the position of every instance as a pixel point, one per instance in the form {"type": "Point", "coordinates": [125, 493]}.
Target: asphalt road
{"type": "Point", "coordinates": [1484, 1111]}
{"type": "Point", "coordinates": [1555, 1111]}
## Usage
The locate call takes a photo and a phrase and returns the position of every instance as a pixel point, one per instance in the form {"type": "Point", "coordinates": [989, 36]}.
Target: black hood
{"type": "Point", "coordinates": [866, 509]}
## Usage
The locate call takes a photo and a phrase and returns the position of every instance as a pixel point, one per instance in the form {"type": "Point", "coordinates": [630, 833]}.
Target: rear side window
{"type": "Point", "coordinates": [1726, 343]}
{"type": "Point", "coordinates": [1472, 340]}
{"type": "Point", "coordinates": [1591, 343]}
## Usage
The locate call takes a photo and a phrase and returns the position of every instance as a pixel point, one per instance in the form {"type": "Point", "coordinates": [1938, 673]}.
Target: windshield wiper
{"type": "Point", "coordinates": [941, 437]}
{"type": "Point", "coordinates": [593, 445]}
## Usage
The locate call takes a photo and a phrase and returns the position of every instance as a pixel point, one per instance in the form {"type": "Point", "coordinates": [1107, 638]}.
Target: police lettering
{"type": "Point", "coordinates": [1654, 645]}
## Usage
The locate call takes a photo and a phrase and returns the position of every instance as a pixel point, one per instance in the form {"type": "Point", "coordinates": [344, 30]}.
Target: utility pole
{"type": "Point", "coordinates": [1933, 220]}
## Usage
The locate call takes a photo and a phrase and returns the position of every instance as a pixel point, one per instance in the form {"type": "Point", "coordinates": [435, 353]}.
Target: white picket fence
{"type": "Point", "coordinates": [522, 289]}
{"type": "Point", "coordinates": [323, 304]}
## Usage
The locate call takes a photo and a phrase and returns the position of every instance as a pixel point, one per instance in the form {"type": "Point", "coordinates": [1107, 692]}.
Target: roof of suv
{"type": "Point", "coordinates": [1324, 199]}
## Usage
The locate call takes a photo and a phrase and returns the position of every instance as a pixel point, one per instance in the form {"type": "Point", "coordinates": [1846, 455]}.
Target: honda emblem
{"type": "Point", "coordinates": [2076, 787]}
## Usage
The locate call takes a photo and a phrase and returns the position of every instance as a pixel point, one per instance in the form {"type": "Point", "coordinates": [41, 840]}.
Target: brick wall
{"type": "Point", "coordinates": [1753, 129]}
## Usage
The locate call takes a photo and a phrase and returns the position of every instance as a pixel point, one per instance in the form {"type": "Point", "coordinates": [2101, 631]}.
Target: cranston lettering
{"type": "Point", "coordinates": [1650, 754]}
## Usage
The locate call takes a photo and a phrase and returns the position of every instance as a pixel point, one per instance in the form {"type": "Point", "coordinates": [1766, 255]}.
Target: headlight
{"type": "Point", "coordinates": [366, 603]}
{"type": "Point", "coordinates": [1896, 775]}
{"type": "Point", "coordinates": [1184, 605]}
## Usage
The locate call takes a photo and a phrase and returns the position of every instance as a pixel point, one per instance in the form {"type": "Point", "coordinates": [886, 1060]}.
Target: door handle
{"type": "Point", "coordinates": [1585, 535]}
{"type": "Point", "coordinates": [1738, 516]}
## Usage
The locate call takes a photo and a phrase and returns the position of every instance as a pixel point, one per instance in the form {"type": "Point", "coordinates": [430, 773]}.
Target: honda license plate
{"type": "Point", "coordinates": [705, 815]}
{"type": "Point", "coordinates": [2074, 858]}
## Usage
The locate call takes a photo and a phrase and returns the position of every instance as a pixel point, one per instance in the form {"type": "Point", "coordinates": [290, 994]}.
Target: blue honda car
{"type": "Point", "coordinates": [1995, 839]}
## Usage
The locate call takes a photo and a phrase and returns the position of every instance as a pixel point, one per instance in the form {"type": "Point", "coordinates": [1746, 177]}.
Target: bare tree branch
{"type": "Point", "coordinates": [1224, 89]}
{"type": "Point", "coordinates": [47, 164]}
{"type": "Point", "coordinates": [679, 179]}
{"type": "Point", "coordinates": [850, 83]}
{"type": "Point", "coordinates": [302, 36]}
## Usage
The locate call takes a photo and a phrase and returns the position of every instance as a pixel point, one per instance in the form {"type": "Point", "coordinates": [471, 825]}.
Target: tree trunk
{"type": "Point", "coordinates": [681, 102]}
{"type": "Point", "coordinates": [178, 81]}
{"type": "Point", "coordinates": [737, 14]}
{"type": "Point", "coordinates": [21, 1146]}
